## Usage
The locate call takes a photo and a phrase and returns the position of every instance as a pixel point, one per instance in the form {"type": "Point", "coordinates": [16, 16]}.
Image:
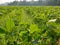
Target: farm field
{"type": "Point", "coordinates": [29, 25]}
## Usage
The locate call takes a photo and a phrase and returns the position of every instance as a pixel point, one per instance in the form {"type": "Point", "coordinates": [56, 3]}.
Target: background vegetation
{"type": "Point", "coordinates": [29, 25]}
{"type": "Point", "coordinates": [33, 3]}
{"type": "Point", "coordinates": [36, 3]}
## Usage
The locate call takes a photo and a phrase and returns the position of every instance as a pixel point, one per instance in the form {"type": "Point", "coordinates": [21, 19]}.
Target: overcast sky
{"type": "Point", "coordinates": [3, 1]}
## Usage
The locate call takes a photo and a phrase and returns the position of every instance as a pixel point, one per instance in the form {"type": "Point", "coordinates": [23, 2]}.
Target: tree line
{"type": "Point", "coordinates": [36, 3]}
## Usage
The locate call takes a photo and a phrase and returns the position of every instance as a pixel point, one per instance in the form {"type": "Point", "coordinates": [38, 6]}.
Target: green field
{"type": "Point", "coordinates": [25, 25]}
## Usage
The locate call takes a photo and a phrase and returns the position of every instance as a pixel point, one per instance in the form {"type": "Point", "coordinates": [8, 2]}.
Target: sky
{"type": "Point", "coordinates": [3, 1]}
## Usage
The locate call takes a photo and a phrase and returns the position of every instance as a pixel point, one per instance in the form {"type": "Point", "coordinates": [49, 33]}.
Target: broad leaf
{"type": "Point", "coordinates": [9, 24]}
{"type": "Point", "coordinates": [33, 28]}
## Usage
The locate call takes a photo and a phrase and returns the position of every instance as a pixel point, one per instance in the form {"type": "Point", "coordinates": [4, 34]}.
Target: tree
{"type": "Point", "coordinates": [54, 2]}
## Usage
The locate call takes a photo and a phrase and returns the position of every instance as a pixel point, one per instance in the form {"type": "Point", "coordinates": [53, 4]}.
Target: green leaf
{"type": "Point", "coordinates": [9, 24]}
{"type": "Point", "coordinates": [2, 30]}
{"type": "Point", "coordinates": [33, 28]}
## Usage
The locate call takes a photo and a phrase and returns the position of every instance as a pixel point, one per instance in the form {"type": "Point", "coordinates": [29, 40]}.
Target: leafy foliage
{"type": "Point", "coordinates": [29, 25]}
